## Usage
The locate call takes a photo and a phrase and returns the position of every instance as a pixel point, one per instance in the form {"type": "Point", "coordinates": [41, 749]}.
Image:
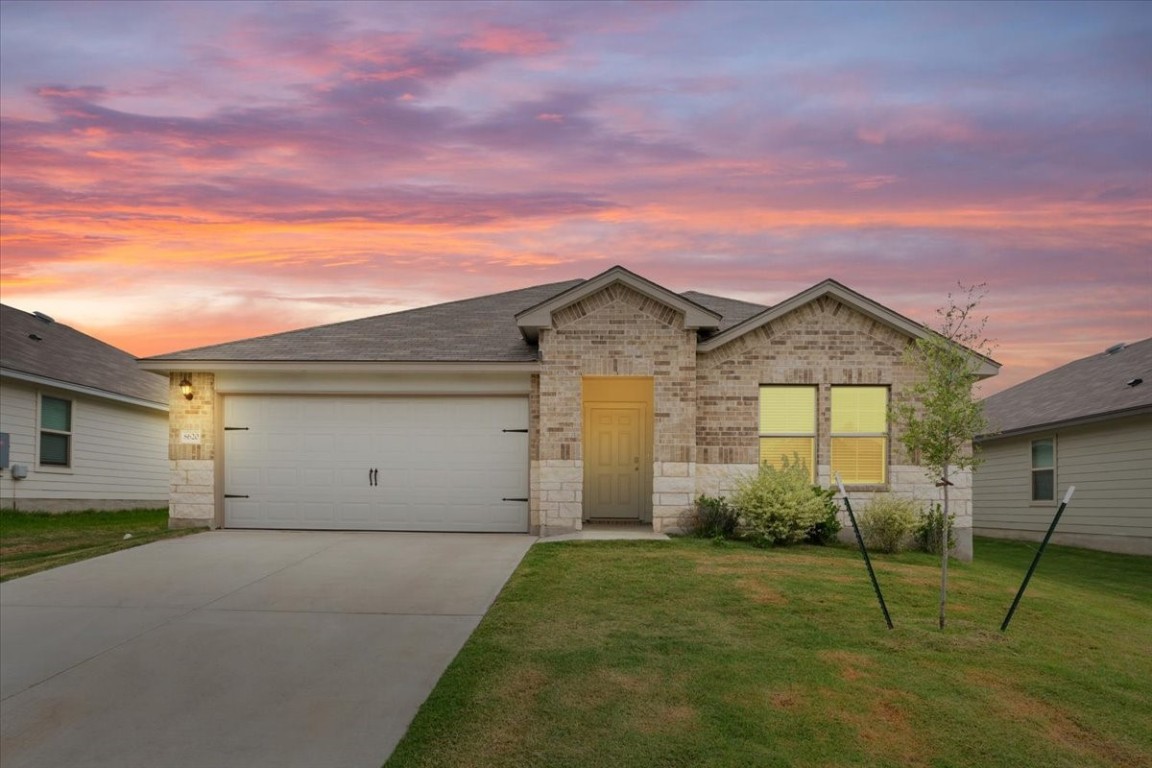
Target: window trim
{"type": "Point", "coordinates": [813, 435]}
{"type": "Point", "coordinates": [1032, 470]}
{"type": "Point", "coordinates": [41, 430]}
{"type": "Point", "coordinates": [886, 435]}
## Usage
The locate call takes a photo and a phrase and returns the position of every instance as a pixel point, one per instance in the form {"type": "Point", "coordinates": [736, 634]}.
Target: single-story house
{"type": "Point", "coordinates": [84, 427]}
{"type": "Point", "coordinates": [1087, 424]}
{"type": "Point", "coordinates": [540, 410]}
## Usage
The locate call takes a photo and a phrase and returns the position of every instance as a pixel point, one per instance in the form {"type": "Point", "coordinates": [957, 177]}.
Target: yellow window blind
{"type": "Point", "coordinates": [788, 426]}
{"type": "Point", "coordinates": [860, 434]}
{"type": "Point", "coordinates": [859, 409]}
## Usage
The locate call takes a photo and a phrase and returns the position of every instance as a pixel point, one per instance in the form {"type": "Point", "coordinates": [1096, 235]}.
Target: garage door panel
{"type": "Point", "coordinates": [441, 463]}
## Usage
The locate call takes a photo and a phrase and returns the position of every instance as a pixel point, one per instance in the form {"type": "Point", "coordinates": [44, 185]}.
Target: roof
{"type": "Point", "coordinates": [472, 330]}
{"type": "Point", "coordinates": [501, 329]}
{"type": "Point", "coordinates": [696, 317]}
{"type": "Point", "coordinates": [36, 348]}
{"type": "Point", "coordinates": [1089, 389]}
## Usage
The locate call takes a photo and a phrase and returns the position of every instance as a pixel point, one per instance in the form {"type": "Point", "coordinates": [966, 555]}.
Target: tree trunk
{"type": "Point", "coordinates": [944, 551]}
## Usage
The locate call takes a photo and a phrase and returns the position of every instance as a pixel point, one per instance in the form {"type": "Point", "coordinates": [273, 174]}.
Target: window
{"type": "Point", "coordinates": [860, 434]}
{"type": "Point", "coordinates": [1044, 470]}
{"type": "Point", "coordinates": [788, 426]}
{"type": "Point", "coordinates": [55, 431]}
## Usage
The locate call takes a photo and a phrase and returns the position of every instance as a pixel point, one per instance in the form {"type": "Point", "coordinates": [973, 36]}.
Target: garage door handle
{"type": "Point", "coordinates": [373, 477]}
{"type": "Point", "coordinates": [514, 498]}
{"type": "Point", "coordinates": [514, 430]}
{"type": "Point", "coordinates": [235, 495]}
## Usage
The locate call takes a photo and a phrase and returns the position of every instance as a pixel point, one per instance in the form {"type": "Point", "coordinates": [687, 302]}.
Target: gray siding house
{"type": "Point", "coordinates": [1088, 424]}
{"type": "Point", "coordinates": [88, 427]}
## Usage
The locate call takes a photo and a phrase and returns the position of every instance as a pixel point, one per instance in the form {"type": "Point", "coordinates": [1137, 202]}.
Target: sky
{"type": "Point", "coordinates": [175, 174]}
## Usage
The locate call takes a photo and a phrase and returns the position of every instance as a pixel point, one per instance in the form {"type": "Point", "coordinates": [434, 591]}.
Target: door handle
{"type": "Point", "coordinates": [373, 477]}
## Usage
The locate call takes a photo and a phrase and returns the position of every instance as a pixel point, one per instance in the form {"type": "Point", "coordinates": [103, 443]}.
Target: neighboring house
{"type": "Point", "coordinates": [601, 400]}
{"type": "Point", "coordinates": [1087, 424]}
{"type": "Point", "coordinates": [86, 424]}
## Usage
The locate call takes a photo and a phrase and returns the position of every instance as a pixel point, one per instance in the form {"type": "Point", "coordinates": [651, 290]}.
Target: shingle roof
{"type": "Point", "coordinates": [1089, 388]}
{"type": "Point", "coordinates": [51, 350]}
{"type": "Point", "coordinates": [732, 311]}
{"type": "Point", "coordinates": [479, 330]}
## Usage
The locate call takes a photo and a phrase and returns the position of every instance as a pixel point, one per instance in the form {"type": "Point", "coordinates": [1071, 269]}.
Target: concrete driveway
{"type": "Point", "coordinates": [239, 648]}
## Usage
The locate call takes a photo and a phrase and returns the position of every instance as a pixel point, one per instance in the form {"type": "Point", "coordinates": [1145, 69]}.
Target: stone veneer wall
{"type": "Point", "coordinates": [193, 467]}
{"type": "Point", "coordinates": [823, 343]}
{"type": "Point", "coordinates": [614, 332]}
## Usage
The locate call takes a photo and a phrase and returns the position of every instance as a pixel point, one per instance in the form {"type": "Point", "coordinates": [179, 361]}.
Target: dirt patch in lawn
{"type": "Point", "coordinates": [848, 664]}
{"type": "Point", "coordinates": [884, 729]}
{"type": "Point", "coordinates": [760, 593]}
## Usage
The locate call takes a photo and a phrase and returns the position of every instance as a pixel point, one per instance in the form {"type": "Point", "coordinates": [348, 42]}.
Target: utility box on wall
{"type": "Point", "coordinates": [3, 450]}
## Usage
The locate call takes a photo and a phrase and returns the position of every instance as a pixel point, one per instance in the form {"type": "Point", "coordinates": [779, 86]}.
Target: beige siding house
{"type": "Point", "coordinates": [86, 428]}
{"type": "Point", "coordinates": [1087, 424]}
{"type": "Point", "coordinates": [607, 400]}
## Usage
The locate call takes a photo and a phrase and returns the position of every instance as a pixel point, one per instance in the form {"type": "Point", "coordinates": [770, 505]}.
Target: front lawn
{"type": "Point", "coordinates": [32, 541]}
{"type": "Point", "coordinates": [686, 653]}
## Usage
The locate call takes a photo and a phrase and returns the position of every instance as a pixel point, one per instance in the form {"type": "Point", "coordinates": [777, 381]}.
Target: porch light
{"type": "Point", "coordinates": [186, 388]}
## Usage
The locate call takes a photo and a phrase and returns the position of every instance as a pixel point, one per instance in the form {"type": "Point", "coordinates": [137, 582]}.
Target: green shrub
{"type": "Point", "coordinates": [824, 531]}
{"type": "Point", "coordinates": [927, 532]}
{"type": "Point", "coordinates": [713, 518]}
{"type": "Point", "coordinates": [887, 522]}
{"type": "Point", "coordinates": [781, 506]}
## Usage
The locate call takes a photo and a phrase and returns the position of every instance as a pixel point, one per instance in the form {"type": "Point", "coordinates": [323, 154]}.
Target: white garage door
{"type": "Point", "coordinates": [376, 463]}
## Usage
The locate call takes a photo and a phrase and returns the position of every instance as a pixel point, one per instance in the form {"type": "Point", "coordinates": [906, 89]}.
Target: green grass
{"type": "Point", "coordinates": [687, 653]}
{"type": "Point", "coordinates": [31, 541]}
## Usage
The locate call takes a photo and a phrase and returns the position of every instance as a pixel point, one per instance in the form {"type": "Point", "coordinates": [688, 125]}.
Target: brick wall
{"type": "Point", "coordinates": [823, 343]}
{"type": "Point", "coordinates": [193, 466]}
{"type": "Point", "coordinates": [614, 332]}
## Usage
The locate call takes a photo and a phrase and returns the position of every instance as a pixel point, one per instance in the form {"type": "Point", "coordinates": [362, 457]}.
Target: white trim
{"type": "Point", "coordinates": [533, 319]}
{"type": "Point", "coordinates": [81, 390]}
{"type": "Point", "coordinates": [335, 366]}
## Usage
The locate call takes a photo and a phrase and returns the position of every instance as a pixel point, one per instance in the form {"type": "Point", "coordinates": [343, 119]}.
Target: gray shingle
{"type": "Point", "coordinates": [472, 330]}
{"type": "Point", "coordinates": [65, 354]}
{"type": "Point", "coordinates": [1083, 389]}
{"type": "Point", "coordinates": [732, 311]}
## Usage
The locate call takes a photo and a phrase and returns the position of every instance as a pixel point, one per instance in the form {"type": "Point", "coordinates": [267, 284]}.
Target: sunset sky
{"type": "Point", "coordinates": [178, 174]}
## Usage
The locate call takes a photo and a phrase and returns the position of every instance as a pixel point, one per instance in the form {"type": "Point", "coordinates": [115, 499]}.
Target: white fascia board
{"type": "Point", "coordinates": [534, 318]}
{"type": "Point", "coordinates": [81, 389]}
{"type": "Point", "coordinates": [269, 366]}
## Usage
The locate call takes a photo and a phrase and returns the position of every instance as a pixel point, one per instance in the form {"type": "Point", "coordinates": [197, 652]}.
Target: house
{"type": "Point", "coordinates": [1087, 424]}
{"type": "Point", "coordinates": [89, 428]}
{"type": "Point", "coordinates": [539, 410]}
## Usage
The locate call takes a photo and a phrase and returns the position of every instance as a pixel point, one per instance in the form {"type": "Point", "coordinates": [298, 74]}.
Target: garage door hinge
{"type": "Point", "coordinates": [235, 429]}
{"type": "Point", "coordinates": [514, 498]}
{"type": "Point", "coordinates": [235, 495]}
{"type": "Point", "coordinates": [514, 430]}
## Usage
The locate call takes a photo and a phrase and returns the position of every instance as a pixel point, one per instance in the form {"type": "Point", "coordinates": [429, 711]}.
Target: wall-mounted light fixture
{"type": "Point", "coordinates": [186, 388]}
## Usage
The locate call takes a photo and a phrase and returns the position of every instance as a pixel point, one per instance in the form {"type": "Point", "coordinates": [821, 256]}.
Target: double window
{"type": "Point", "coordinates": [55, 432]}
{"type": "Point", "coordinates": [1044, 469]}
{"type": "Point", "coordinates": [858, 425]}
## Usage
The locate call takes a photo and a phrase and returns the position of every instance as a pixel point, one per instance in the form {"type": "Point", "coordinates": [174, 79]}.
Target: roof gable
{"type": "Point", "coordinates": [696, 316]}
{"type": "Point", "coordinates": [845, 295]}
{"type": "Point", "coordinates": [37, 348]}
{"type": "Point", "coordinates": [1087, 389]}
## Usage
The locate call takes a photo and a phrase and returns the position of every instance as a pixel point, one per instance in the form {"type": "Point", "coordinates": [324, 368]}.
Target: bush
{"type": "Point", "coordinates": [927, 532]}
{"type": "Point", "coordinates": [781, 506]}
{"type": "Point", "coordinates": [887, 522]}
{"type": "Point", "coordinates": [824, 531]}
{"type": "Point", "coordinates": [713, 518]}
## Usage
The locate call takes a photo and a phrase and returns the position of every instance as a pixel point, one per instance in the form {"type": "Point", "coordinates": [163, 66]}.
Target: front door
{"type": "Point", "coordinates": [614, 484]}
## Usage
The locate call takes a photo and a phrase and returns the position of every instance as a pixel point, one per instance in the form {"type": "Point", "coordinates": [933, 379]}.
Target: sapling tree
{"type": "Point", "coordinates": [941, 417]}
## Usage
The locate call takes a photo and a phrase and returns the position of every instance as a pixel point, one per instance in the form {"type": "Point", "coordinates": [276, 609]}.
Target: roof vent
{"type": "Point", "coordinates": [1135, 382]}
{"type": "Point", "coordinates": [1115, 348]}
{"type": "Point", "coordinates": [43, 317]}
{"type": "Point", "coordinates": [34, 337]}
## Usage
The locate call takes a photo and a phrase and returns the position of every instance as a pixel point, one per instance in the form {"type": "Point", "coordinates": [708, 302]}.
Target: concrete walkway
{"type": "Point", "coordinates": [239, 648]}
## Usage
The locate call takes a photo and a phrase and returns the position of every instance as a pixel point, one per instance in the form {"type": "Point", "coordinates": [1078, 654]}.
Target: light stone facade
{"type": "Point", "coordinates": [192, 500]}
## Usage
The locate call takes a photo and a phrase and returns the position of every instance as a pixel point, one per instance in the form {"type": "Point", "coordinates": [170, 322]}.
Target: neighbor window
{"type": "Point", "coordinates": [788, 426]}
{"type": "Point", "coordinates": [1044, 469]}
{"type": "Point", "coordinates": [55, 431]}
{"type": "Point", "coordinates": [860, 434]}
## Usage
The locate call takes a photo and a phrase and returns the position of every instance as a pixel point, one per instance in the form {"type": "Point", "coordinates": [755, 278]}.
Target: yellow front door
{"type": "Point", "coordinates": [614, 477]}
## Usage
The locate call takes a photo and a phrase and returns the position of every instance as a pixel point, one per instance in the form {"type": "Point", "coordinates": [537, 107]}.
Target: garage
{"type": "Point", "coordinates": [396, 463]}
